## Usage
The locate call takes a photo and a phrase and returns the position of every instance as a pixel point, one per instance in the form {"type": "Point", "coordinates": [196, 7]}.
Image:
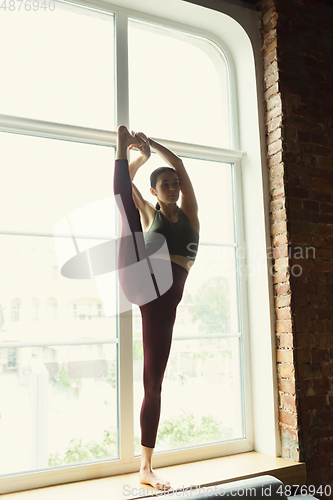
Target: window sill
{"type": "Point", "coordinates": [203, 473]}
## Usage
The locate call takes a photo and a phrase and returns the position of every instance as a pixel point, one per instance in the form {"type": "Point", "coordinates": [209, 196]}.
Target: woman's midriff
{"type": "Point", "coordinates": [178, 259]}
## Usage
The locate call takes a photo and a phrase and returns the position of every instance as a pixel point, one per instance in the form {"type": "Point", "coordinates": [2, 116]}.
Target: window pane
{"type": "Point", "coordinates": [201, 369]}
{"type": "Point", "coordinates": [180, 91]}
{"type": "Point", "coordinates": [212, 182]}
{"type": "Point", "coordinates": [58, 65]}
{"type": "Point", "coordinates": [211, 291]}
{"type": "Point", "coordinates": [68, 309]}
{"type": "Point", "coordinates": [71, 392]}
{"type": "Point", "coordinates": [45, 179]}
{"type": "Point", "coordinates": [201, 391]}
{"type": "Point", "coordinates": [48, 181]}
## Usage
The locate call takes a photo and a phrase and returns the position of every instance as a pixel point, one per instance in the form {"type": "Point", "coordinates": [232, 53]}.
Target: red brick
{"type": "Point", "coordinates": [291, 433]}
{"type": "Point", "coordinates": [288, 402]}
{"type": "Point", "coordinates": [278, 215]}
{"type": "Point", "coordinates": [281, 253]}
{"type": "Point", "coordinates": [276, 146]}
{"type": "Point", "coordinates": [268, 48]}
{"type": "Point", "coordinates": [281, 277]}
{"type": "Point", "coordinates": [325, 253]}
{"type": "Point", "coordinates": [325, 447]}
{"type": "Point", "coordinates": [298, 192]}
{"type": "Point", "coordinates": [323, 266]}
{"type": "Point", "coordinates": [324, 416]}
{"type": "Point", "coordinates": [322, 385]}
{"type": "Point", "coordinates": [281, 239]}
{"type": "Point", "coordinates": [271, 75]}
{"type": "Point", "coordinates": [305, 312]}
{"type": "Point", "coordinates": [311, 206]}
{"type": "Point", "coordinates": [282, 289]}
{"type": "Point", "coordinates": [319, 326]}
{"type": "Point", "coordinates": [303, 355]}
{"type": "Point", "coordinates": [300, 238]}
{"type": "Point", "coordinates": [288, 418]}
{"type": "Point", "coordinates": [327, 370]}
{"type": "Point", "coordinates": [277, 181]}
{"type": "Point", "coordinates": [284, 355]}
{"type": "Point", "coordinates": [319, 355]}
{"type": "Point", "coordinates": [283, 313]}
{"type": "Point", "coordinates": [273, 113]}
{"type": "Point", "coordinates": [274, 135]}
{"type": "Point", "coordinates": [309, 371]}
{"type": "Point", "coordinates": [278, 228]}
{"type": "Point", "coordinates": [276, 122]}
{"type": "Point", "coordinates": [305, 339]}
{"type": "Point", "coordinates": [325, 341]}
{"type": "Point", "coordinates": [327, 208]}
{"type": "Point", "coordinates": [284, 340]}
{"type": "Point", "coordinates": [313, 403]}
{"type": "Point", "coordinates": [286, 370]}
{"type": "Point", "coordinates": [323, 162]}
{"type": "Point", "coordinates": [277, 169]}
{"type": "Point", "coordinates": [269, 57]}
{"type": "Point", "coordinates": [325, 219]}
{"type": "Point", "coordinates": [277, 204]}
{"type": "Point", "coordinates": [282, 301]}
{"type": "Point", "coordinates": [272, 68]}
{"type": "Point", "coordinates": [283, 326]}
{"type": "Point", "coordinates": [316, 462]}
{"type": "Point", "coordinates": [320, 184]}
{"type": "Point", "coordinates": [267, 35]}
{"type": "Point", "coordinates": [270, 18]}
{"type": "Point", "coordinates": [274, 159]}
{"type": "Point", "coordinates": [318, 300]}
{"type": "Point", "coordinates": [286, 385]}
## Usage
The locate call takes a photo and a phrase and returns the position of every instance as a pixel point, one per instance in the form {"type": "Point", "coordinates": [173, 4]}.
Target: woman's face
{"type": "Point", "coordinates": [167, 187]}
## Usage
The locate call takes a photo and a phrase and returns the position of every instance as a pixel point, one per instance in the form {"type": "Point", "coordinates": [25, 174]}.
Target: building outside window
{"type": "Point", "coordinates": [35, 309]}
{"type": "Point", "coordinates": [15, 310]}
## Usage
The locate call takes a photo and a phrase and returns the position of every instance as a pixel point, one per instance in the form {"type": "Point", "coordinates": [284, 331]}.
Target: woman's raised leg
{"type": "Point", "coordinates": [136, 280]}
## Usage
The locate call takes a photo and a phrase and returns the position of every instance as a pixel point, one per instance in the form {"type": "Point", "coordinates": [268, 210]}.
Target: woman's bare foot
{"type": "Point", "coordinates": [148, 476]}
{"type": "Point", "coordinates": [126, 138]}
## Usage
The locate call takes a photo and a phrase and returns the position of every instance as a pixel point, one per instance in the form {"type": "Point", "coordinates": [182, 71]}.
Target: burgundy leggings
{"type": "Point", "coordinates": [141, 280]}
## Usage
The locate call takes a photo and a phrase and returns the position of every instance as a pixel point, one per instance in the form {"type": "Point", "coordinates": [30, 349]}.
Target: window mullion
{"type": "Point", "coordinates": [125, 406]}
{"type": "Point", "coordinates": [241, 260]}
{"type": "Point", "coordinates": [122, 78]}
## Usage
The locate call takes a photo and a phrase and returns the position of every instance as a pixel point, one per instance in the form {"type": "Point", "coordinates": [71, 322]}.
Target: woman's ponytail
{"type": "Point", "coordinates": [158, 207]}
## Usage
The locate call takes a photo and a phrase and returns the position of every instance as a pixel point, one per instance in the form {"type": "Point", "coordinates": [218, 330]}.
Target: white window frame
{"type": "Point", "coordinates": [236, 32]}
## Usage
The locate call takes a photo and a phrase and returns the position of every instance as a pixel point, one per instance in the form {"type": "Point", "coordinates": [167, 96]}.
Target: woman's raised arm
{"type": "Point", "coordinates": [188, 198]}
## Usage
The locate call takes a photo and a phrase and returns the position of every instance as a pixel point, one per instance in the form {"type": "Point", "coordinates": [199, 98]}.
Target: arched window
{"type": "Point", "coordinates": [188, 80]}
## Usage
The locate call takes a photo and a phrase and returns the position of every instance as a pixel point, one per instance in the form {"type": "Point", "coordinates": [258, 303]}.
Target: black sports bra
{"type": "Point", "coordinates": [181, 237]}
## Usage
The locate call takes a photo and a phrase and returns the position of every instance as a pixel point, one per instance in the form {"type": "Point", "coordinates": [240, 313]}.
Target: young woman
{"type": "Point", "coordinates": [153, 269]}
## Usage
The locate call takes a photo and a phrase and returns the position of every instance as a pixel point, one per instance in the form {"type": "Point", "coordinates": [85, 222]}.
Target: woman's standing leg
{"type": "Point", "coordinates": [158, 319]}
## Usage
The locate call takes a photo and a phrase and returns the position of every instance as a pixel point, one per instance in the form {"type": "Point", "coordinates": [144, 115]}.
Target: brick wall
{"type": "Point", "coordinates": [297, 49]}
